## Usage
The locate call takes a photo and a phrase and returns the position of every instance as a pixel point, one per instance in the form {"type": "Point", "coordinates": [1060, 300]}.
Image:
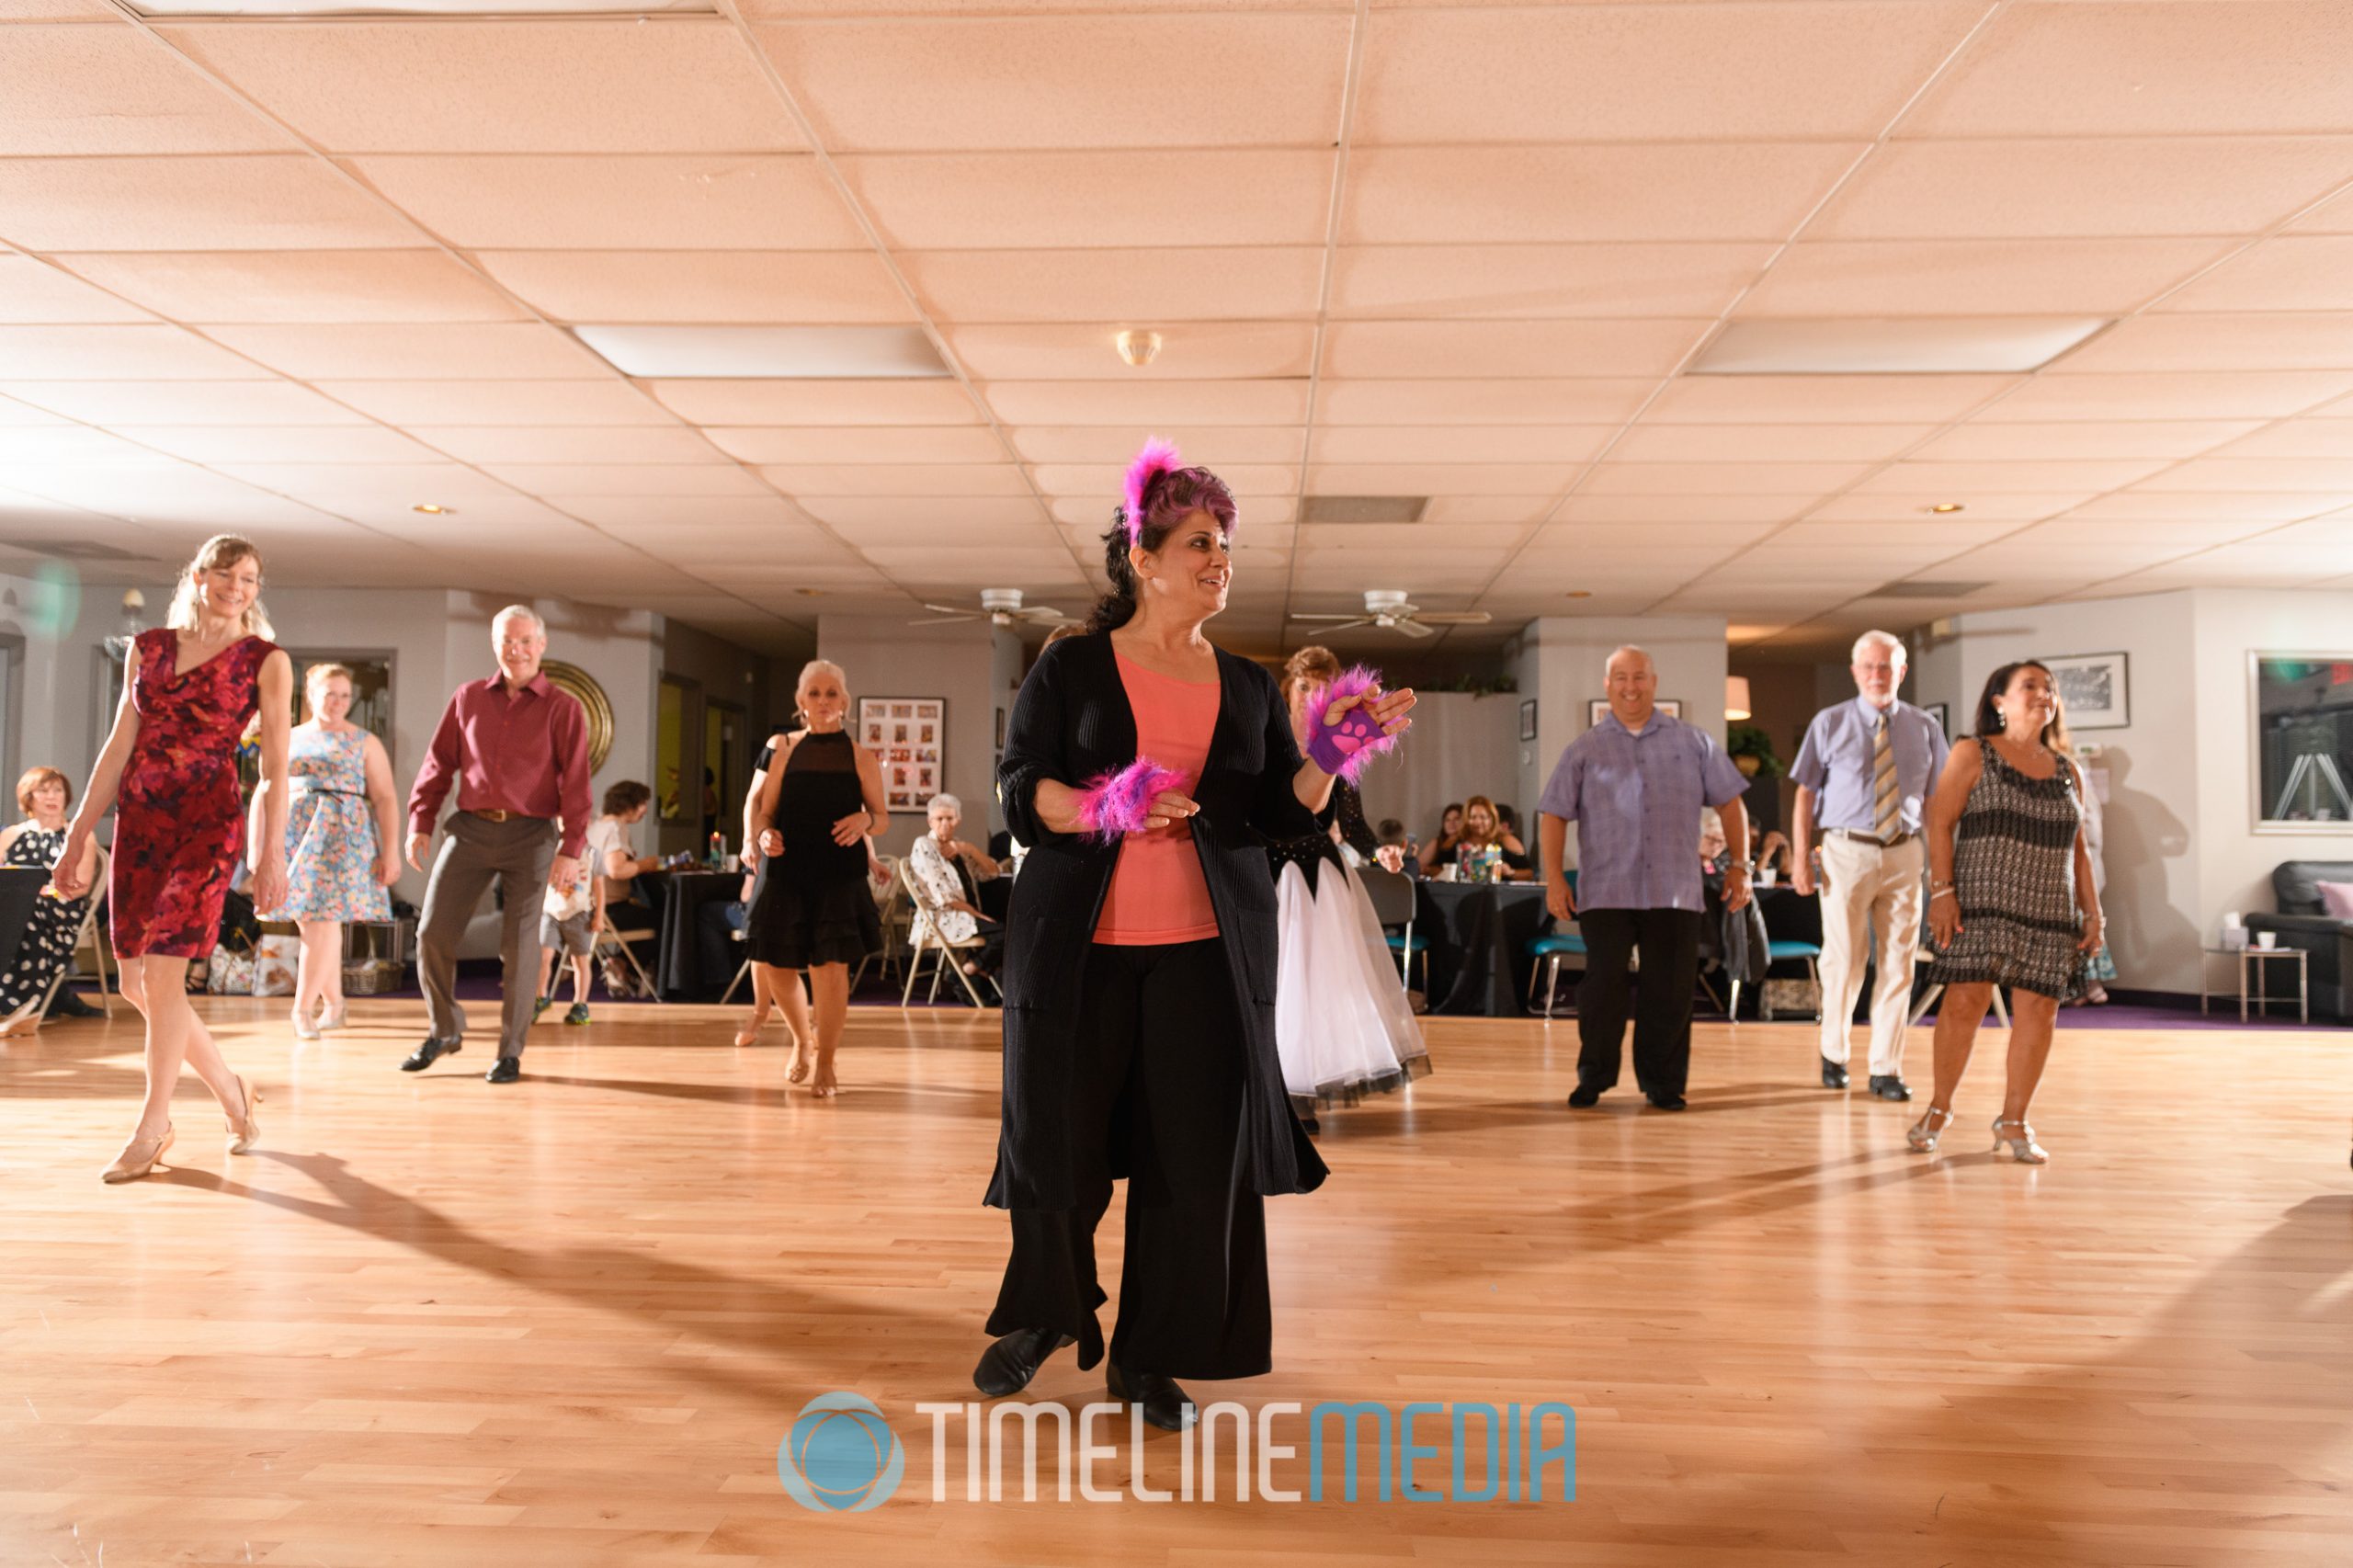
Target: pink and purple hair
{"type": "Point", "coordinates": [1160, 489]}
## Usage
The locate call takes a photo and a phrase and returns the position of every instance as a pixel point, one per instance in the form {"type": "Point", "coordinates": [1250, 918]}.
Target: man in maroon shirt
{"type": "Point", "coordinates": [518, 750]}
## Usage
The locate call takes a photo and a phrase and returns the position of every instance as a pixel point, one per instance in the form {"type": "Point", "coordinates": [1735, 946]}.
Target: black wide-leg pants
{"type": "Point", "coordinates": [1160, 1073]}
{"type": "Point", "coordinates": [1669, 942]}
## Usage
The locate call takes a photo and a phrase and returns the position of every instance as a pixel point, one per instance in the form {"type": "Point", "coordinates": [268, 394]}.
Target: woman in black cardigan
{"type": "Point", "coordinates": [1125, 1054]}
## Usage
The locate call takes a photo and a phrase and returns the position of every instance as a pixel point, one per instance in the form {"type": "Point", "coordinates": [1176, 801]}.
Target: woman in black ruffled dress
{"type": "Point", "coordinates": [813, 910]}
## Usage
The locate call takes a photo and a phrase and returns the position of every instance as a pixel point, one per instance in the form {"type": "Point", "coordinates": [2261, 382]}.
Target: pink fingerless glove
{"type": "Point", "coordinates": [1112, 805]}
{"type": "Point", "coordinates": [1346, 749]}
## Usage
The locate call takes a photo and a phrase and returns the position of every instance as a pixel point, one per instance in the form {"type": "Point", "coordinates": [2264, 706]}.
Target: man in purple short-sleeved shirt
{"type": "Point", "coordinates": [1634, 785]}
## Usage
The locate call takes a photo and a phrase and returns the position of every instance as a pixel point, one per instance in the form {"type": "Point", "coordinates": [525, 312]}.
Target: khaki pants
{"type": "Point", "coordinates": [1864, 886]}
{"type": "Point", "coordinates": [517, 854]}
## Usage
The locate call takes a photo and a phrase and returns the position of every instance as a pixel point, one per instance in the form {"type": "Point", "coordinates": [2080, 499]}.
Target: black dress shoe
{"type": "Point", "coordinates": [506, 1070]}
{"type": "Point", "coordinates": [1007, 1366]}
{"type": "Point", "coordinates": [429, 1052]}
{"type": "Point", "coordinates": [1164, 1404]}
{"type": "Point", "coordinates": [1887, 1086]}
{"type": "Point", "coordinates": [1666, 1102]}
{"type": "Point", "coordinates": [68, 1006]}
{"type": "Point", "coordinates": [1834, 1074]}
{"type": "Point", "coordinates": [1584, 1097]}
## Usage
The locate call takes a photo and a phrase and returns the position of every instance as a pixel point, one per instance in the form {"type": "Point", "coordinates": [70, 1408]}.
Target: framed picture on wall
{"type": "Point", "coordinates": [1528, 719]}
{"type": "Point", "coordinates": [2093, 690]}
{"type": "Point", "coordinates": [1598, 709]}
{"type": "Point", "coordinates": [1942, 715]}
{"type": "Point", "coordinates": [909, 737]}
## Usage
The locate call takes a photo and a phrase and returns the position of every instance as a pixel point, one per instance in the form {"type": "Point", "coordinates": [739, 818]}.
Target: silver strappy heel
{"type": "Point", "coordinates": [2023, 1148]}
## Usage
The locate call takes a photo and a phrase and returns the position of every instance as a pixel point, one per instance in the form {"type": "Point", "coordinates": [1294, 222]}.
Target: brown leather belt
{"type": "Point", "coordinates": [502, 815]}
{"type": "Point", "coordinates": [1867, 838]}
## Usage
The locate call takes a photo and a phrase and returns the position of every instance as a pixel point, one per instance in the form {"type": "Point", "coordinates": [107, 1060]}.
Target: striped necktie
{"type": "Point", "coordinates": [1886, 795]}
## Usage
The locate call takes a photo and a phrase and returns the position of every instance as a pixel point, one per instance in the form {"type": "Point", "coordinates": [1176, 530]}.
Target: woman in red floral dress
{"type": "Point", "coordinates": [169, 771]}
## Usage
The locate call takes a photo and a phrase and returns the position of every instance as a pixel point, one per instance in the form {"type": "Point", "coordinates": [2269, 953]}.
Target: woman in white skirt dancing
{"type": "Point", "coordinates": [1343, 1026]}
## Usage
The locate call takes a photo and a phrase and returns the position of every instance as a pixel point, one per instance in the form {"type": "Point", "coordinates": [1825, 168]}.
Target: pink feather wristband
{"type": "Point", "coordinates": [1112, 805]}
{"type": "Point", "coordinates": [1346, 749]}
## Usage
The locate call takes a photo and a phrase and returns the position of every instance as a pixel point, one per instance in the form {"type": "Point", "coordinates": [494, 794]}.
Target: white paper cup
{"type": "Point", "coordinates": [1768, 876]}
{"type": "Point", "coordinates": [2267, 939]}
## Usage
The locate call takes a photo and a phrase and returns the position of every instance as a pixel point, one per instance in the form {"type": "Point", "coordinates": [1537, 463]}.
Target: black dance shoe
{"type": "Point", "coordinates": [1584, 1097]}
{"type": "Point", "coordinates": [429, 1052]}
{"type": "Point", "coordinates": [1887, 1086]}
{"type": "Point", "coordinates": [1164, 1404]}
{"type": "Point", "coordinates": [506, 1070]}
{"type": "Point", "coordinates": [1007, 1366]}
{"type": "Point", "coordinates": [1833, 1073]}
{"type": "Point", "coordinates": [1666, 1102]}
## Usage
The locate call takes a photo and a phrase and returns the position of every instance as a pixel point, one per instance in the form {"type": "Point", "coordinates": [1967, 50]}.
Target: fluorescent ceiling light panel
{"type": "Point", "coordinates": [1890, 348]}
{"type": "Point", "coordinates": [766, 353]}
{"type": "Point", "coordinates": [415, 7]}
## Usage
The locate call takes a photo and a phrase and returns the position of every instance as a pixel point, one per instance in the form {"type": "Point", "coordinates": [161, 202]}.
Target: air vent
{"type": "Point", "coordinates": [1364, 508]}
{"type": "Point", "coordinates": [78, 549]}
{"type": "Point", "coordinates": [1926, 588]}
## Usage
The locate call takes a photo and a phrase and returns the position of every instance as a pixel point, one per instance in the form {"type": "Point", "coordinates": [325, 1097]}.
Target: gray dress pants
{"type": "Point", "coordinates": [516, 853]}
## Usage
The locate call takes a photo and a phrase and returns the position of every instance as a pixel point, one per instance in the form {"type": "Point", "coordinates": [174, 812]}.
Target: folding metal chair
{"type": "Point", "coordinates": [923, 938]}
{"type": "Point", "coordinates": [1394, 905]}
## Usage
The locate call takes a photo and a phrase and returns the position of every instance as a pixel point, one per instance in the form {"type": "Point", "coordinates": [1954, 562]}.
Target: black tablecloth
{"type": "Point", "coordinates": [20, 895]}
{"type": "Point", "coordinates": [678, 897]}
{"type": "Point", "coordinates": [1478, 934]}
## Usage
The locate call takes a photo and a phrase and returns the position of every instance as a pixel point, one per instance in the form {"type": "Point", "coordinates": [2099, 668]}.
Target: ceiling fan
{"type": "Point", "coordinates": [999, 606]}
{"type": "Point", "coordinates": [1388, 608]}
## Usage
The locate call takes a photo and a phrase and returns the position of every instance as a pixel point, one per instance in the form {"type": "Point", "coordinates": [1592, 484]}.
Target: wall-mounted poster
{"type": "Point", "coordinates": [1942, 715]}
{"type": "Point", "coordinates": [908, 735]}
{"type": "Point", "coordinates": [1597, 709]}
{"type": "Point", "coordinates": [2093, 690]}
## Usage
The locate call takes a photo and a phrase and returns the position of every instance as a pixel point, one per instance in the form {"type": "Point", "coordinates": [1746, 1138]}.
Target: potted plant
{"type": "Point", "coordinates": [1751, 751]}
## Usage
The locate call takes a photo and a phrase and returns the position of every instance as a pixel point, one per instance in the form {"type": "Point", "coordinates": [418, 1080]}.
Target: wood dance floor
{"type": "Point", "coordinates": [437, 1321]}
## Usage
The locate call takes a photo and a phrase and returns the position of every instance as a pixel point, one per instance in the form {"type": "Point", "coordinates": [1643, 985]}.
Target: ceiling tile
{"type": "Point", "coordinates": [883, 445]}
{"type": "Point", "coordinates": [2294, 272]}
{"type": "Point", "coordinates": [1478, 349]}
{"type": "Point", "coordinates": [817, 403]}
{"type": "Point", "coordinates": [640, 513]}
{"type": "Point", "coordinates": [1200, 350]}
{"type": "Point", "coordinates": [297, 285]}
{"type": "Point", "coordinates": [1970, 277]}
{"type": "Point", "coordinates": [805, 288]}
{"type": "Point", "coordinates": [1208, 445]}
{"type": "Point", "coordinates": [2296, 439]}
{"type": "Point", "coordinates": [954, 480]}
{"type": "Point", "coordinates": [113, 353]}
{"type": "Point", "coordinates": [2268, 341]}
{"type": "Point", "coordinates": [1023, 82]}
{"type": "Point", "coordinates": [656, 83]}
{"type": "Point", "coordinates": [1803, 68]}
{"type": "Point", "coordinates": [502, 402]}
{"type": "Point", "coordinates": [1154, 286]}
{"type": "Point", "coordinates": [1523, 281]}
{"type": "Point", "coordinates": [2088, 186]}
{"type": "Point", "coordinates": [1767, 443]}
{"type": "Point", "coordinates": [1458, 443]}
{"type": "Point", "coordinates": [266, 402]}
{"type": "Point", "coordinates": [1149, 404]}
{"type": "Point", "coordinates": [279, 443]}
{"type": "Point", "coordinates": [33, 291]}
{"type": "Point", "coordinates": [862, 511]}
{"type": "Point", "coordinates": [660, 204]}
{"type": "Point", "coordinates": [714, 478]}
{"type": "Point", "coordinates": [1822, 400]}
{"type": "Point", "coordinates": [194, 203]}
{"type": "Point", "coordinates": [400, 484]}
{"type": "Point", "coordinates": [1481, 402]}
{"type": "Point", "coordinates": [1108, 480]}
{"type": "Point", "coordinates": [2135, 68]}
{"type": "Point", "coordinates": [1965, 480]}
{"type": "Point", "coordinates": [1719, 478]}
{"type": "Point", "coordinates": [1983, 508]}
{"type": "Point", "coordinates": [2161, 394]}
{"type": "Point", "coordinates": [414, 352]}
{"type": "Point", "coordinates": [1091, 199]}
{"type": "Point", "coordinates": [2090, 439]}
{"type": "Point", "coordinates": [567, 444]}
{"type": "Point", "coordinates": [63, 91]}
{"type": "Point", "coordinates": [2247, 475]}
{"type": "Point", "coordinates": [1436, 479]}
{"type": "Point", "coordinates": [1720, 190]}
{"type": "Point", "coordinates": [2135, 506]}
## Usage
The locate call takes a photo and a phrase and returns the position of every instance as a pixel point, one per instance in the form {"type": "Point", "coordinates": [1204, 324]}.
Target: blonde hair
{"type": "Point", "coordinates": [1312, 666]}
{"type": "Point", "coordinates": [35, 779]}
{"type": "Point", "coordinates": [316, 678]}
{"type": "Point", "coordinates": [816, 666]}
{"type": "Point", "coordinates": [220, 551]}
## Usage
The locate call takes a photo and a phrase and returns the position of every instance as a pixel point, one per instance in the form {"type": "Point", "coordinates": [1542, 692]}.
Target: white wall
{"type": "Point", "coordinates": [964, 663]}
{"type": "Point", "coordinates": [1461, 745]}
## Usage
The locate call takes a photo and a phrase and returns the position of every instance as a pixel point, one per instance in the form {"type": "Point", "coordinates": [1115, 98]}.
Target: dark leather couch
{"type": "Point", "coordinates": [2304, 922]}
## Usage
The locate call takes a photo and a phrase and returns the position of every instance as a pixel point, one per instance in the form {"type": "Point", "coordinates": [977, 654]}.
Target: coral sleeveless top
{"type": "Point", "coordinates": [1158, 891]}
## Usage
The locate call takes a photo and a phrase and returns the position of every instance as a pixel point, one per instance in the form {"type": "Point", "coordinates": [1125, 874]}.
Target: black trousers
{"type": "Point", "coordinates": [1158, 1089]}
{"type": "Point", "coordinates": [1669, 941]}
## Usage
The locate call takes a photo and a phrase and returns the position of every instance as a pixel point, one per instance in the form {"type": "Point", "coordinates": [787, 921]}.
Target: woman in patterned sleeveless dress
{"type": "Point", "coordinates": [47, 945]}
{"type": "Point", "coordinates": [813, 911]}
{"type": "Point", "coordinates": [2011, 900]}
{"type": "Point", "coordinates": [169, 773]}
{"type": "Point", "coordinates": [342, 842]}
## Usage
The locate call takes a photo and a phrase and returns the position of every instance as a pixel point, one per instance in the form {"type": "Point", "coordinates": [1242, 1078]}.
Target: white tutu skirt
{"type": "Point", "coordinates": [1342, 1023]}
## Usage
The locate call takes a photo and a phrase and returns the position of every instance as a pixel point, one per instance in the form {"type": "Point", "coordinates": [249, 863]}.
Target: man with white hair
{"type": "Point", "coordinates": [517, 749]}
{"type": "Point", "coordinates": [1864, 776]}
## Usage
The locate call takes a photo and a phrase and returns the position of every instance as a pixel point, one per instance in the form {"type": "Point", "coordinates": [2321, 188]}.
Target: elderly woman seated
{"type": "Point", "coordinates": [951, 870]}
{"type": "Point", "coordinates": [55, 924]}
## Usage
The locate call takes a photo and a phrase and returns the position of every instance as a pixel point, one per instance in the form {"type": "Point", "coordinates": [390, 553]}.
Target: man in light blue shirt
{"type": "Point", "coordinates": [1634, 784]}
{"type": "Point", "coordinates": [1864, 777]}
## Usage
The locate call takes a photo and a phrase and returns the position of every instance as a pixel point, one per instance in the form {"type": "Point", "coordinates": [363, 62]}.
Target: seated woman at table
{"type": "Point", "coordinates": [1773, 855]}
{"type": "Point", "coordinates": [1483, 829]}
{"type": "Point", "coordinates": [950, 872]}
{"type": "Point", "coordinates": [1449, 834]}
{"type": "Point", "coordinates": [47, 945]}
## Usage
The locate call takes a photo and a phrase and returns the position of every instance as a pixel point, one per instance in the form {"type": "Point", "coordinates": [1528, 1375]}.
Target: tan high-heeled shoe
{"type": "Point", "coordinates": [242, 1136]}
{"type": "Point", "coordinates": [24, 1020]}
{"type": "Point", "coordinates": [2023, 1148]}
{"type": "Point", "coordinates": [1923, 1134]}
{"type": "Point", "coordinates": [339, 1018]}
{"type": "Point", "coordinates": [133, 1164]}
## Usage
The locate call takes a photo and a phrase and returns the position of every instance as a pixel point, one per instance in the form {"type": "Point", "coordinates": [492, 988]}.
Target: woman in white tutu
{"type": "Point", "coordinates": [1343, 1026]}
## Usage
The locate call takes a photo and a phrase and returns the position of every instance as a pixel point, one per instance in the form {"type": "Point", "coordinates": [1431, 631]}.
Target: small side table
{"type": "Point", "coordinates": [2252, 960]}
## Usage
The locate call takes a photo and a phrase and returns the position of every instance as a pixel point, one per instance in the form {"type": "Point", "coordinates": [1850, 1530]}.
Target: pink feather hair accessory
{"type": "Point", "coordinates": [1346, 749]}
{"type": "Point", "coordinates": [1112, 805]}
{"type": "Point", "coordinates": [1158, 456]}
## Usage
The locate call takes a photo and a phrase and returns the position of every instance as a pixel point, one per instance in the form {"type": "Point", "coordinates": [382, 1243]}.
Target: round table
{"type": "Point", "coordinates": [1478, 934]}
